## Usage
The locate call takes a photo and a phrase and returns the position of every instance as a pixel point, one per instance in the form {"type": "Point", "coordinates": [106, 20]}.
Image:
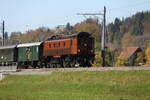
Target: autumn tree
{"type": "Point", "coordinates": [108, 59]}
{"type": "Point", "coordinates": [140, 59]}
{"type": "Point", "coordinates": [40, 34]}
{"type": "Point", "coordinates": [91, 26]}
{"type": "Point", "coordinates": [114, 30]}
{"type": "Point", "coordinates": [15, 38]}
{"type": "Point", "coordinates": [98, 60]}
{"type": "Point", "coordinates": [121, 62]}
{"type": "Point", "coordinates": [127, 40]}
{"type": "Point", "coordinates": [147, 53]}
{"type": "Point", "coordinates": [137, 21]}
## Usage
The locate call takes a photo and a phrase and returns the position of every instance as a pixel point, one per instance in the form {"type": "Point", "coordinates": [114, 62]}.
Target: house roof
{"type": "Point", "coordinates": [128, 52]}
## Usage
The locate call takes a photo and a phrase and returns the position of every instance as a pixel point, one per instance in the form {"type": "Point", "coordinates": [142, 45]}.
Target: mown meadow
{"type": "Point", "coordinates": [82, 85]}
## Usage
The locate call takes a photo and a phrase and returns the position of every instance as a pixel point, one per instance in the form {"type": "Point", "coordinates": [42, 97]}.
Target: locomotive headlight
{"type": "Point", "coordinates": [85, 44]}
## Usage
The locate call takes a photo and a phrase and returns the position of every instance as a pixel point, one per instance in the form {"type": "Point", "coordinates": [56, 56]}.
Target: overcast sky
{"type": "Point", "coordinates": [21, 15]}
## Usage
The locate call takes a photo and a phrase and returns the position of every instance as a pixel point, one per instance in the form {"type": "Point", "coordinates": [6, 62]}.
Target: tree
{"type": "Point", "coordinates": [147, 53]}
{"type": "Point", "coordinates": [91, 28]}
{"type": "Point", "coordinates": [114, 30]}
{"type": "Point", "coordinates": [127, 40]}
{"type": "Point", "coordinates": [138, 27]}
{"type": "Point", "coordinates": [68, 28]}
{"type": "Point", "coordinates": [140, 59]}
{"type": "Point", "coordinates": [38, 35]}
{"type": "Point", "coordinates": [121, 62]}
{"type": "Point", "coordinates": [98, 60]}
{"type": "Point", "coordinates": [15, 38]}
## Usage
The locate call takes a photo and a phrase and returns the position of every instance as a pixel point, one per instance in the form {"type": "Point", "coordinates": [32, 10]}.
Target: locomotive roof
{"type": "Point", "coordinates": [79, 34]}
{"type": "Point", "coordinates": [8, 47]}
{"type": "Point", "coordinates": [29, 44]}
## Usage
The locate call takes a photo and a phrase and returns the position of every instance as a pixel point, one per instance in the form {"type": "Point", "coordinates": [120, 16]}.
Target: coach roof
{"type": "Point", "coordinates": [8, 47]}
{"type": "Point", "coordinates": [29, 44]}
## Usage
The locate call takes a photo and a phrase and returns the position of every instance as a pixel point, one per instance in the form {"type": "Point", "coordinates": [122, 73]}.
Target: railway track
{"type": "Point", "coordinates": [77, 69]}
{"type": "Point", "coordinates": [86, 69]}
{"type": "Point", "coordinates": [45, 71]}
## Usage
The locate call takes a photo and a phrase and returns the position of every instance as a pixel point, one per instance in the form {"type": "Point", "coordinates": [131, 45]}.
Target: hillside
{"type": "Point", "coordinates": [131, 31]}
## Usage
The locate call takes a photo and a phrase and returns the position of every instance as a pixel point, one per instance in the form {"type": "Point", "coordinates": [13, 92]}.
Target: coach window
{"type": "Point", "coordinates": [54, 45]}
{"type": "Point", "coordinates": [49, 45]}
{"type": "Point", "coordinates": [64, 44]}
{"type": "Point", "coordinates": [59, 44]}
{"type": "Point", "coordinates": [71, 42]}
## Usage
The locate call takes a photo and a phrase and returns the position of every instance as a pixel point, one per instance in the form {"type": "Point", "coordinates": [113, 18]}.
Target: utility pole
{"type": "Point", "coordinates": [103, 38]}
{"type": "Point", "coordinates": [3, 32]}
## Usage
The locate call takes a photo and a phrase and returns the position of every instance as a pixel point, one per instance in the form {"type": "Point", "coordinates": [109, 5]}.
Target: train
{"type": "Point", "coordinates": [75, 50]}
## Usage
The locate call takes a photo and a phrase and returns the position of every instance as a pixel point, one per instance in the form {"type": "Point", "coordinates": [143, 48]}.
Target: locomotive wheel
{"type": "Point", "coordinates": [49, 65]}
{"type": "Point", "coordinates": [19, 66]}
{"type": "Point", "coordinates": [72, 64]}
{"type": "Point", "coordinates": [65, 62]}
{"type": "Point", "coordinates": [52, 65]}
{"type": "Point", "coordinates": [88, 64]}
{"type": "Point", "coordinates": [58, 65]}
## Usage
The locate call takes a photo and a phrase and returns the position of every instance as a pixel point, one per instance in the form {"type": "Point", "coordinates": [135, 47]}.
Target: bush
{"type": "Point", "coordinates": [147, 53]}
{"type": "Point", "coordinates": [121, 62]}
{"type": "Point", "coordinates": [98, 60]}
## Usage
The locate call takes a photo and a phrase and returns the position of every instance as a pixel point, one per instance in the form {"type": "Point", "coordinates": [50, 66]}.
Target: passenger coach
{"type": "Point", "coordinates": [29, 55]}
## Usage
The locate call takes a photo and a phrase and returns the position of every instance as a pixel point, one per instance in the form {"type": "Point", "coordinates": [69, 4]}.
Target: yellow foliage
{"type": "Point", "coordinates": [140, 58]}
{"type": "Point", "coordinates": [91, 28]}
{"type": "Point", "coordinates": [120, 62]}
{"type": "Point", "coordinates": [98, 60]}
{"type": "Point", "coordinates": [147, 27]}
{"type": "Point", "coordinates": [147, 52]}
{"type": "Point", "coordinates": [127, 40]}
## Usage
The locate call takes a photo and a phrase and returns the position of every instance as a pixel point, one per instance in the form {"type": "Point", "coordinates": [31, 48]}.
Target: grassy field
{"type": "Point", "coordinates": [84, 85]}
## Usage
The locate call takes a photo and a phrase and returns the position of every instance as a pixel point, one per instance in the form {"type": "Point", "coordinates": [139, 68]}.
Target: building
{"type": "Point", "coordinates": [130, 54]}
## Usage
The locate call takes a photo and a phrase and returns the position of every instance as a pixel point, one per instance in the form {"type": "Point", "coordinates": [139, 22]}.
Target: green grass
{"type": "Point", "coordinates": [84, 85]}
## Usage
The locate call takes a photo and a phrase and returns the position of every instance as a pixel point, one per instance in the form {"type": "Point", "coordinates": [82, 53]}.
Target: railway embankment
{"type": "Point", "coordinates": [45, 71]}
